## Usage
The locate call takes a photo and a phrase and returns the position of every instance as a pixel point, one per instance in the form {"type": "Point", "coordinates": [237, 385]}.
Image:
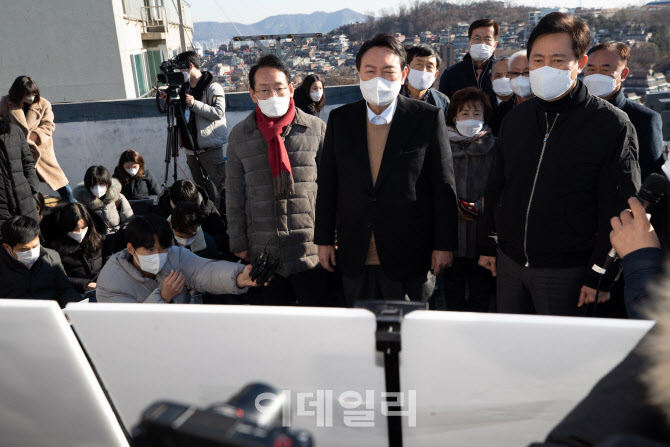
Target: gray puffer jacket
{"type": "Point", "coordinates": [210, 114]}
{"type": "Point", "coordinates": [121, 282]}
{"type": "Point", "coordinates": [256, 217]}
{"type": "Point", "coordinates": [113, 207]}
{"type": "Point", "coordinates": [472, 162]}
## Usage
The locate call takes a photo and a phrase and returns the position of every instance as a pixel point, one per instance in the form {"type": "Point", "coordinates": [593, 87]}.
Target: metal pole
{"type": "Point", "coordinates": [182, 36]}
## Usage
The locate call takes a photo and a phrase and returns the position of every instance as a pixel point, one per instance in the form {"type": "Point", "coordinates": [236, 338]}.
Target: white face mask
{"type": "Point", "coordinates": [480, 52]}
{"type": "Point", "coordinates": [185, 242]}
{"type": "Point", "coordinates": [133, 172]}
{"type": "Point", "coordinates": [98, 190]}
{"type": "Point", "coordinates": [600, 85]}
{"type": "Point", "coordinates": [78, 236]}
{"type": "Point", "coordinates": [29, 257]}
{"type": "Point", "coordinates": [152, 263]}
{"type": "Point", "coordinates": [274, 106]}
{"type": "Point", "coordinates": [502, 87]}
{"type": "Point", "coordinates": [379, 91]}
{"type": "Point", "coordinates": [521, 86]}
{"type": "Point", "coordinates": [421, 80]}
{"type": "Point", "coordinates": [29, 99]}
{"type": "Point", "coordinates": [187, 76]}
{"type": "Point", "coordinates": [469, 128]}
{"type": "Point", "coordinates": [316, 96]}
{"type": "Point", "coordinates": [549, 83]}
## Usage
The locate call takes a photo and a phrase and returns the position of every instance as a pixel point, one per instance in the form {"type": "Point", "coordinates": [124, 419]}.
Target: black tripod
{"type": "Point", "coordinates": [176, 128]}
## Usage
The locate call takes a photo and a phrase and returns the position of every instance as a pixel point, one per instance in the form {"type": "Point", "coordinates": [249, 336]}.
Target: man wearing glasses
{"type": "Point", "coordinates": [475, 68]}
{"type": "Point", "coordinates": [271, 187]}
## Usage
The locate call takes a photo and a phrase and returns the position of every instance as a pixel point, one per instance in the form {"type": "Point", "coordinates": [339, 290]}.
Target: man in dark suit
{"type": "Point", "coordinates": [476, 67]}
{"type": "Point", "coordinates": [606, 70]}
{"type": "Point", "coordinates": [386, 185]}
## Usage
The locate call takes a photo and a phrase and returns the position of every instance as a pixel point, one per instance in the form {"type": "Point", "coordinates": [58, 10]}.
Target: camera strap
{"type": "Point", "coordinates": [187, 110]}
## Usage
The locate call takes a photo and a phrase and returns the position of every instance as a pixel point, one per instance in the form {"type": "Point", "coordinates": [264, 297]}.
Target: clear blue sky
{"type": "Point", "coordinates": [251, 11]}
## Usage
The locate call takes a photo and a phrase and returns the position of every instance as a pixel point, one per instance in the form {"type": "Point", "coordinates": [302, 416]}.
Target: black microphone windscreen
{"type": "Point", "coordinates": [653, 188]}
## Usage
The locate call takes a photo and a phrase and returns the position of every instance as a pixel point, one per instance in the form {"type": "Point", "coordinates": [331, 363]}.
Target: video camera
{"type": "Point", "coordinates": [171, 76]}
{"type": "Point", "coordinates": [239, 422]}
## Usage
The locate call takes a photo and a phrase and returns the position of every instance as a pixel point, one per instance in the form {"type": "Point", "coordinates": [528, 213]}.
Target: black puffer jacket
{"type": "Point", "coordinates": [45, 280]}
{"type": "Point", "coordinates": [18, 179]}
{"type": "Point", "coordinates": [142, 192]}
{"type": "Point", "coordinates": [552, 208]}
{"type": "Point", "coordinates": [139, 188]}
{"type": "Point", "coordinates": [81, 269]}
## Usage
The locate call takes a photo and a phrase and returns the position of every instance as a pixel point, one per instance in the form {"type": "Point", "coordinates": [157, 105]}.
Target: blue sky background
{"type": "Point", "coordinates": [251, 11]}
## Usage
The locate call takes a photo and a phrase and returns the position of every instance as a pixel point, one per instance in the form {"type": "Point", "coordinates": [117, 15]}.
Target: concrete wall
{"type": "Point", "coordinates": [76, 50]}
{"type": "Point", "coordinates": [95, 133]}
{"type": "Point", "coordinates": [68, 46]}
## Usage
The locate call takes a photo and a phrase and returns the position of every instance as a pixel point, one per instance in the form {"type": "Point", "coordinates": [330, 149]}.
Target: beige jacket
{"type": "Point", "coordinates": [39, 119]}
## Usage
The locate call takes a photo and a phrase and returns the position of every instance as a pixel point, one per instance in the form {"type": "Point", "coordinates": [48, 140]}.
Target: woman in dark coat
{"type": "Point", "coordinates": [468, 286]}
{"type": "Point", "coordinates": [19, 183]}
{"type": "Point", "coordinates": [137, 183]}
{"type": "Point", "coordinates": [77, 235]}
{"type": "Point", "coordinates": [310, 96]}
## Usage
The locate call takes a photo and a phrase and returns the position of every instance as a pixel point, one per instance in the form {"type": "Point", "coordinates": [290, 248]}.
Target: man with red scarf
{"type": "Point", "coordinates": [271, 187]}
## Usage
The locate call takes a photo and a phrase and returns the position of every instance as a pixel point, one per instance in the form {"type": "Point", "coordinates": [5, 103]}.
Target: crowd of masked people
{"type": "Point", "coordinates": [494, 192]}
{"type": "Point", "coordinates": [503, 189]}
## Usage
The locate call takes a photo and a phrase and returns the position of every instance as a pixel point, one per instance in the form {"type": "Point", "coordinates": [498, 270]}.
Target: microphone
{"type": "Point", "coordinates": [649, 194]}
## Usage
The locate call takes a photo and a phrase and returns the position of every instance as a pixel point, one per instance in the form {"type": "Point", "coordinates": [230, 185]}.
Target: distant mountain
{"type": "Point", "coordinates": [317, 22]}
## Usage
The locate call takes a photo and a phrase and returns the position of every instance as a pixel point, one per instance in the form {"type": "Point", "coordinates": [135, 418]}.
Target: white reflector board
{"type": "Point", "coordinates": [205, 354]}
{"type": "Point", "coordinates": [503, 380]}
{"type": "Point", "coordinates": [49, 394]}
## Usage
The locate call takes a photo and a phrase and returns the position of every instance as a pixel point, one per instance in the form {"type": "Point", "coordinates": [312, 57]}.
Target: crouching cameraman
{"type": "Point", "coordinates": [204, 107]}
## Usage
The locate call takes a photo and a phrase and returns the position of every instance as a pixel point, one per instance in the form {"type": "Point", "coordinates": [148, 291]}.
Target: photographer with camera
{"type": "Point", "coordinates": [204, 106]}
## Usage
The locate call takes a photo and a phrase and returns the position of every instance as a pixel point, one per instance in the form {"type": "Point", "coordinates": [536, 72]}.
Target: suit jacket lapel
{"type": "Point", "coordinates": [399, 134]}
{"type": "Point", "coordinates": [358, 131]}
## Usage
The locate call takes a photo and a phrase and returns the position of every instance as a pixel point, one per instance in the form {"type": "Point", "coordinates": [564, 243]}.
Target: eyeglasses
{"type": "Point", "coordinates": [266, 93]}
{"type": "Point", "coordinates": [478, 39]}
{"type": "Point", "coordinates": [514, 74]}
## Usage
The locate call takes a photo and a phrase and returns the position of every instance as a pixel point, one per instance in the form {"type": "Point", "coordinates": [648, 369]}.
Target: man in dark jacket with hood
{"type": "Point", "coordinates": [28, 270]}
{"type": "Point", "coordinates": [565, 164]}
{"type": "Point", "coordinates": [19, 184]}
{"type": "Point", "coordinates": [476, 67]}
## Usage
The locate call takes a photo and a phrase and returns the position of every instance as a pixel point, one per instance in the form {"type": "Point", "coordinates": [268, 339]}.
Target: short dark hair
{"type": "Point", "coordinates": [141, 230]}
{"type": "Point", "coordinates": [186, 216]}
{"type": "Point", "coordinates": [69, 216]}
{"type": "Point", "coordinates": [386, 41]}
{"type": "Point", "coordinates": [128, 156]}
{"type": "Point", "coordinates": [22, 87]}
{"type": "Point", "coordinates": [622, 49]}
{"type": "Point", "coordinates": [306, 85]}
{"type": "Point", "coordinates": [269, 61]}
{"type": "Point", "coordinates": [97, 175]}
{"type": "Point", "coordinates": [557, 22]}
{"type": "Point", "coordinates": [468, 95]}
{"type": "Point", "coordinates": [183, 191]}
{"type": "Point", "coordinates": [190, 56]}
{"type": "Point", "coordinates": [19, 230]}
{"type": "Point", "coordinates": [422, 51]}
{"type": "Point", "coordinates": [484, 23]}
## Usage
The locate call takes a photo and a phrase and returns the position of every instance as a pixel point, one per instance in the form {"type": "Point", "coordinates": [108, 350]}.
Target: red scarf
{"type": "Point", "coordinates": [280, 165]}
